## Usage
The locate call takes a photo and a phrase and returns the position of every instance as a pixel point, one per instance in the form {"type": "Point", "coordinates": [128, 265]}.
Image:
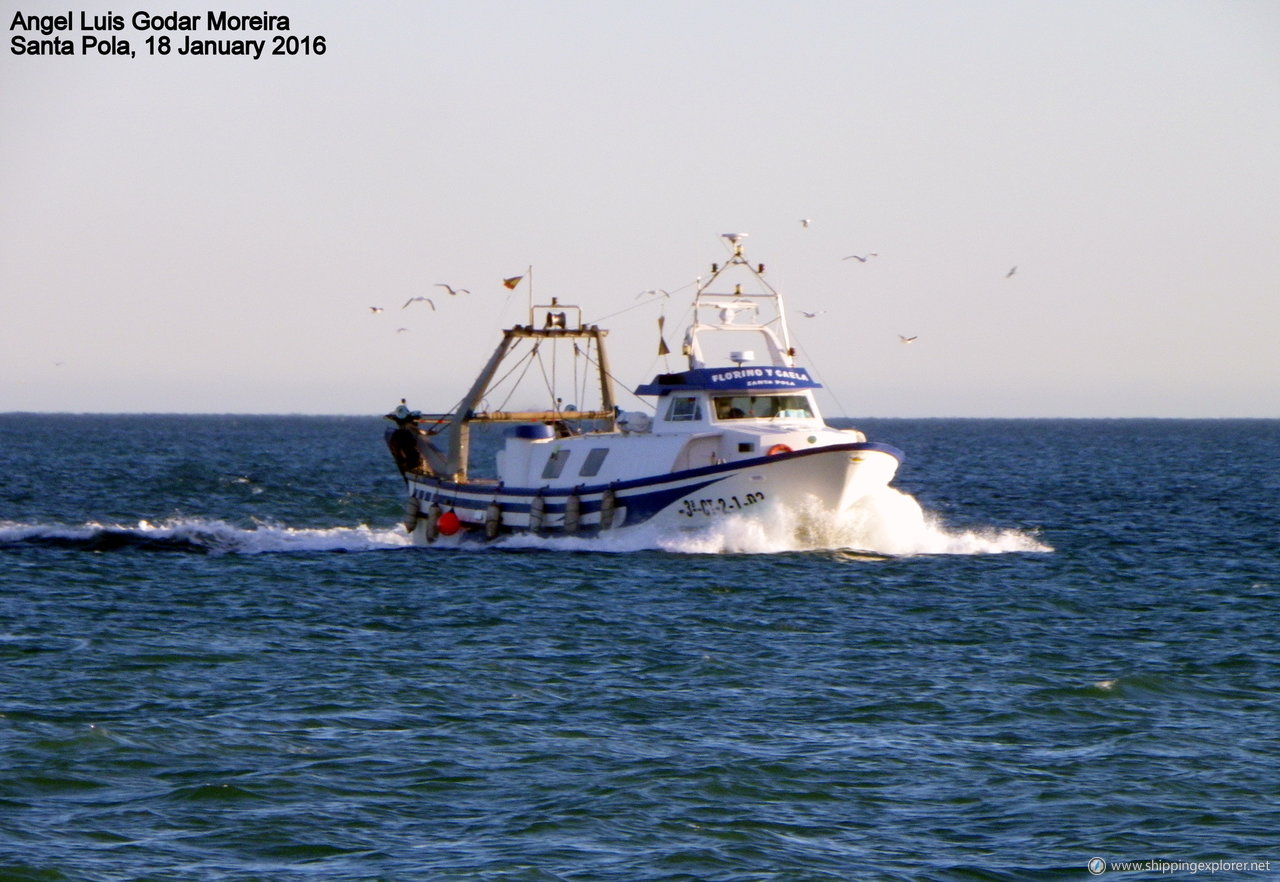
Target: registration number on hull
{"type": "Point", "coordinates": [691, 508]}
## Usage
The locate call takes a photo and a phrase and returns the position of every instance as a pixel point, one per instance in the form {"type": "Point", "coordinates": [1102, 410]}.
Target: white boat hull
{"type": "Point", "coordinates": [833, 478]}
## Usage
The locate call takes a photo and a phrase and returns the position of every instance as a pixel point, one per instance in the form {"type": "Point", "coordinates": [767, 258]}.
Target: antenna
{"type": "Point", "coordinates": [736, 240]}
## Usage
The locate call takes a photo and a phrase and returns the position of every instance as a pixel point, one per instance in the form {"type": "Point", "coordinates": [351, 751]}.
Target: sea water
{"type": "Point", "coordinates": [1050, 642]}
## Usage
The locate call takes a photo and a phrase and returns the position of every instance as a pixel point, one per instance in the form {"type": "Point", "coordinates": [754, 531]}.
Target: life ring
{"type": "Point", "coordinates": [778, 448]}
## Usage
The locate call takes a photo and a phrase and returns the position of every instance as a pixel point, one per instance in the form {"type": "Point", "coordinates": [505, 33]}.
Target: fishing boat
{"type": "Point", "coordinates": [736, 434]}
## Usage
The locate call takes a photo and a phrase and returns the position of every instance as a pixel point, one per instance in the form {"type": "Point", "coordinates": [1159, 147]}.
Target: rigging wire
{"type": "Point", "coordinates": [576, 394]}
{"type": "Point", "coordinates": [620, 385]}
{"type": "Point", "coordinates": [527, 361]}
{"type": "Point", "coordinates": [643, 303]}
{"type": "Point", "coordinates": [812, 366]}
{"type": "Point", "coordinates": [580, 393]}
{"type": "Point", "coordinates": [441, 425]}
{"type": "Point", "coordinates": [549, 382]}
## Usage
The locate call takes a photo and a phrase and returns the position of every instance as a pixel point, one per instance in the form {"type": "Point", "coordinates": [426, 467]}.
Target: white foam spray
{"type": "Point", "coordinates": [891, 522]}
{"type": "Point", "coordinates": [887, 523]}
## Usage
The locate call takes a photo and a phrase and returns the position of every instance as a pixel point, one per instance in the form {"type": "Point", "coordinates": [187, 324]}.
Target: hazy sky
{"type": "Point", "coordinates": [206, 234]}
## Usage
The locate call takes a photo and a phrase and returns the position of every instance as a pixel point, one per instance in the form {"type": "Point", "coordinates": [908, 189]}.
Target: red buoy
{"type": "Point", "coordinates": [448, 524]}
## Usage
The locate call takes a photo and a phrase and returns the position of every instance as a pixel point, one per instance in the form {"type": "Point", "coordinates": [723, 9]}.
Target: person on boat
{"type": "Point", "coordinates": [725, 410]}
{"type": "Point", "coordinates": [403, 440]}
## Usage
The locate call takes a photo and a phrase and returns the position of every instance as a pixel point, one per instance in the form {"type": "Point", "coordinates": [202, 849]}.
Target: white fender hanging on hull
{"type": "Point", "coordinates": [572, 513]}
{"type": "Point", "coordinates": [492, 520]}
{"type": "Point", "coordinates": [608, 505]}
{"type": "Point", "coordinates": [432, 522]}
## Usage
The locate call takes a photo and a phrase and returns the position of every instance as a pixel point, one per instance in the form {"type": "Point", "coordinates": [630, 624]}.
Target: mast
{"type": "Point", "coordinates": [606, 378]}
{"type": "Point", "coordinates": [460, 437]}
{"type": "Point", "coordinates": [554, 327]}
{"type": "Point", "coordinates": [772, 329]}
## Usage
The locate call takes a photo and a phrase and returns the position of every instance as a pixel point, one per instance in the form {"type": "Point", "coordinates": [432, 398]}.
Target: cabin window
{"type": "Point", "coordinates": [682, 409]}
{"type": "Point", "coordinates": [555, 463]}
{"type": "Point", "coordinates": [796, 406]}
{"type": "Point", "coordinates": [741, 407]}
{"type": "Point", "coordinates": [591, 465]}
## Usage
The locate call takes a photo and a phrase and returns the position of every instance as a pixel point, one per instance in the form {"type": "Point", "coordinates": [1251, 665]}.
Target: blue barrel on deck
{"type": "Point", "coordinates": [533, 432]}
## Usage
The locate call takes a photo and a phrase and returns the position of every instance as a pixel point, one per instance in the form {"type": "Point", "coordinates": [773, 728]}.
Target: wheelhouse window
{"type": "Point", "coordinates": [595, 459]}
{"type": "Point", "coordinates": [742, 407]}
{"type": "Point", "coordinates": [683, 408]}
{"type": "Point", "coordinates": [555, 463]}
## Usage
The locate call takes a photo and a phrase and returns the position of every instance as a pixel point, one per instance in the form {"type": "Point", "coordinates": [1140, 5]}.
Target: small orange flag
{"type": "Point", "coordinates": [512, 282]}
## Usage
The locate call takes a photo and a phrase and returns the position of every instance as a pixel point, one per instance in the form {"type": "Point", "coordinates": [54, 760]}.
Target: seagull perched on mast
{"type": "Point", "coordinates": [451, 290]}
{"type": "Point", "coordinates": [412, 299]}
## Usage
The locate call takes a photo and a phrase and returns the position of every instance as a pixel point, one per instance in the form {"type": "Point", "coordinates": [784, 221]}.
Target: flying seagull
{"type": "Point", "coordinates": [401, 330]}
{"type": "Point", "coordinates": [1011, 272]}
{"type": "Point", "coordinates": [903, 338]}
{"type": "Point", "coordinates": [451, 289]}
{"type": "Point", "coordinates": [804, 222]}
{"type": "Point", "coordinates": [653, 292]}
{"type": "Point", "coordinates": [860, 258]}
{"type": "Point", "coordinates": [812, 314]}
{"type": "Point", "coordinates": [375, 309]}
{"type": "Point", "coordinates": [412, 299]}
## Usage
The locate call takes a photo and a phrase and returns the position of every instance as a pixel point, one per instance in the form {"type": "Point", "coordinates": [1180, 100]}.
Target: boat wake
{"type": "Point", "coordinates": [888, 523]}
{"type": "Point", "coordinates": [200, 536]}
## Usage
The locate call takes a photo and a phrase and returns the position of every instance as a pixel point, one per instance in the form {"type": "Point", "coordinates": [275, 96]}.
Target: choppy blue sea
{"type": "Point", "coordinates": [219, 660]}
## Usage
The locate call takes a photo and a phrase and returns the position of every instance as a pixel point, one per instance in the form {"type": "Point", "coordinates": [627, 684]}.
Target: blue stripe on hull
{"type": "Point", "coordinates": [472, 500]}
{"type": "Point", "coordinates": [639, 506]}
